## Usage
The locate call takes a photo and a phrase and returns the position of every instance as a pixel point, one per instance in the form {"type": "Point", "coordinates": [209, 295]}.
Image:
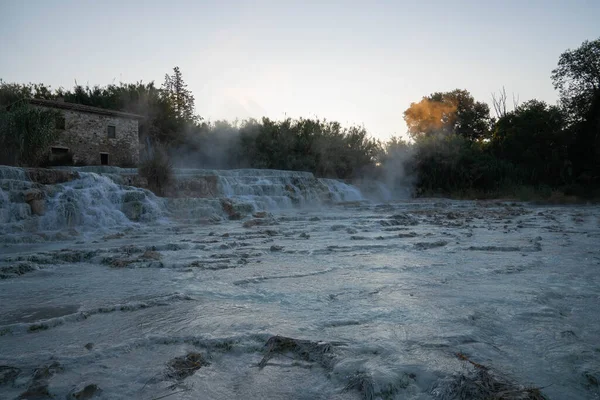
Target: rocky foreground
{"type": "Point", "coordinates": [418, 300]}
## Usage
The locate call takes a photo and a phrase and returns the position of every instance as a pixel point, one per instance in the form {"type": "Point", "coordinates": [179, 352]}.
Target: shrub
{"type": "Point", "coordinates": [25, 134]}
{"type": "Point", "coordinates": [157, 168]}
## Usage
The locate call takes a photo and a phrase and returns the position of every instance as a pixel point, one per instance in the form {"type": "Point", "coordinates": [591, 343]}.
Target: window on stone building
{"type": "Point", "coordinates": [59, 122]}
{"type": "Point", "coordinates": [111, 131]}
{"type": "Point", "coordinates": [103, 158]}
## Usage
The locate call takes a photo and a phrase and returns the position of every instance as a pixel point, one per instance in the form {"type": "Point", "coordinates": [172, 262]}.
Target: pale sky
{"type": "Point", "coordinates": [354, 62]}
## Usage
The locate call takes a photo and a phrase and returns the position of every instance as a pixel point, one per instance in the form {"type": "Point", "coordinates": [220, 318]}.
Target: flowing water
{"type": "Point", "coordinates": [314, 293]}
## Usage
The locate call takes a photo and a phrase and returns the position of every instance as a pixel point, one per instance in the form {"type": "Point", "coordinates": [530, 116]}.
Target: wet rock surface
{"type": "Point", "coordinates": [88, 391]}
{"type": "Point", "coordinates": [37, 387]}
{"type": "Point", "coordinates": [50, 176]}
{"type": "Point", "coordinates": [180, 368]}
{"type": "Point", "coordinates": [305, 350]}
{"type": "Point", "coordinates": [353, 301]}
{"type": "Point", "coordinates": [8, 374]}
{"type": "Point", "coordinates": [478, 381]}
{"type": "Point", "coordinates": [17, 269]}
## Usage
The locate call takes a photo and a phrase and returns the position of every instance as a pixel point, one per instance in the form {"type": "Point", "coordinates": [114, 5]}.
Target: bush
{"type": "Point", "coordinates": [25, 134]}
{"type": "Point", "coordinates": [157, 168]}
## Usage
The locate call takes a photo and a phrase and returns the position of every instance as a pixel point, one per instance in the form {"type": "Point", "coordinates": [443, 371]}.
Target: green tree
{"type": "Point", "coordinates": [533, 137]}
{"type": "Point", "coordinates": [25, 134]}
{"type": "Point", "coordinates": [577, 77]}
{"type": "Point", "coordinates": [180, 97]}
{"type": "Point", "coordinates": [454, 112]}
{"type": "Point", "coordinates": [13, 92]}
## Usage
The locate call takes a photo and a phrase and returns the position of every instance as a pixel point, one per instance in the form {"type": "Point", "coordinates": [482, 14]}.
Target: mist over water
{"type": "Point", "coordinates": [113, 285]}
{"type": "Point", "coordinates": [100, 200]}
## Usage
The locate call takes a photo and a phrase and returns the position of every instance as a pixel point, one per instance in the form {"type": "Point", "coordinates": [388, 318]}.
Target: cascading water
{"type": "Point", "coordinates": [5, 213]}
{"type": "Point", "coordinates": [341, 191]}
{"type": "Point", "coordinates": [275, 189]}
{"type": "Point", "coordinates": [427, 299]}
{"type": "Point", "coordinates": [95, 201]}
{"type": "Point", "coordinates": [253, 190]}
{"type": "Point", "coordinates": [90, 202]}
{"type": "Point", "coordinates": [102, 197]}
{"type": "Point", "coordinates": [13, 182]}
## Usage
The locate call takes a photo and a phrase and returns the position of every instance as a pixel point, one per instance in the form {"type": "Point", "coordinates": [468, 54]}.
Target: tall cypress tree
{"type": "Point", "coordinates": [180, 97]}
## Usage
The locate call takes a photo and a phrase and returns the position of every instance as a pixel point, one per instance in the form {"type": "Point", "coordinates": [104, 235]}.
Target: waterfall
{"type": "Point", "coordinates": [92, 201]}
{"type": "Point", "coordinates": [100, 197]}
{"type": "Point", "coordinates": [95, 201]}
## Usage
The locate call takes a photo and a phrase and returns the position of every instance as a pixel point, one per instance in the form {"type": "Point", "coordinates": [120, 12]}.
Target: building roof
{"type": "Point", "coordinates": [82, 108]}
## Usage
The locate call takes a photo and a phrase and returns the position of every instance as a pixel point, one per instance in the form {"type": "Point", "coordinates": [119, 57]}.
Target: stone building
{"type": "Point", "coordinates": [94, 136]}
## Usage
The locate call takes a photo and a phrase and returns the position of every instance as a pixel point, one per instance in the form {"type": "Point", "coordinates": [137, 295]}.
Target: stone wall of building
{"type": "Point", "coordinates": [86, 137]}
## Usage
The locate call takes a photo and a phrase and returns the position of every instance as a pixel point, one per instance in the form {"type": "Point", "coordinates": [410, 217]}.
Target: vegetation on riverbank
{"type": "Point", "coordinates": [25, 134]}
{"type": "Point", "coordinates": [456, 148]}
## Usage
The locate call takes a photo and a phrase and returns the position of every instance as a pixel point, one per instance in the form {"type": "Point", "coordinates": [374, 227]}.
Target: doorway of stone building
{"type": "Point", "coordinates": [103, 158]}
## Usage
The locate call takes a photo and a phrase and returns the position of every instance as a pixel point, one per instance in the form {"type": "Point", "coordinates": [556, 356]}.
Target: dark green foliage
{"type": "Point", "coordinates": [577, 78]}
{"type": "Point", "coordinates": [586, 148]}
{"type": "Point", "coordinates": [459, 150]}
{"type": "Point", "coordinates": [179, 96]}
{"type": "Point", "coordinates": [451, 164]}
{"type": "Point", "coordinates": [25, 134]}
{"type": "Point", "coordinates": [321, 147]}
{"type": "Point", "coordinates": [456, 148]}
{"type": "Point", "coordinates": [156, 167]}
{"type": "Point", "coordinates": [534, 138]}
{"type": "Point", "coordinates": [13, 92]}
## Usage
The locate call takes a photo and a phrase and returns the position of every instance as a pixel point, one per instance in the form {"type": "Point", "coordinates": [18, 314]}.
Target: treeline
{"type": "Point", "coordinates": [460, 149]}
{"type": "Point", "coordinates": [456, 146]}
{"type": "Point", "coordinates": [325, 148]}
{"type": "Point", "coordinates": [322, 147]}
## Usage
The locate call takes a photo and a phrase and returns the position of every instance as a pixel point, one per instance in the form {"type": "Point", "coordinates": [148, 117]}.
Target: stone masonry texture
{"type": "Point", "coordinates": [86, 137]}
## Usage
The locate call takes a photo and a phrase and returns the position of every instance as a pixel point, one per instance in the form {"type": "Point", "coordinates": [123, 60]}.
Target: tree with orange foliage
{"type": "Point", "coordinates": [454, 112]}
